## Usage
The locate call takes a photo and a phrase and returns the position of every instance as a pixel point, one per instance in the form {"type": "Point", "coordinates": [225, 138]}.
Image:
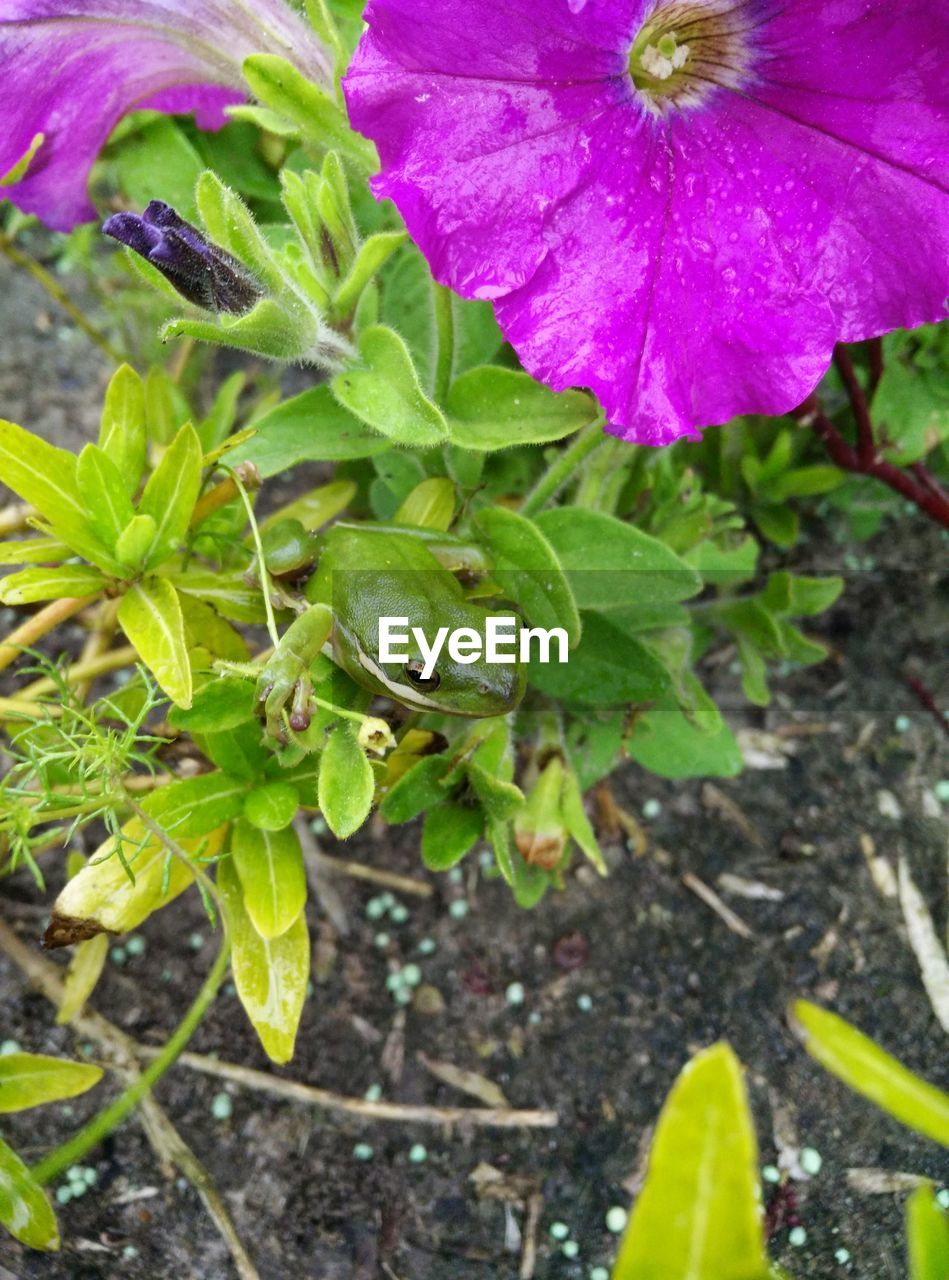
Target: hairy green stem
{"type": "Point", "coordinates": [101, 1125]}
{"type": "Point", "coordinates": [589, 439]}
{"type": "Point", "coordinates": [445, 340]}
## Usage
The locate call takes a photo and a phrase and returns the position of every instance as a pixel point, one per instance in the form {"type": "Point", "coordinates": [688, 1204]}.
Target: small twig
{"type": "Point", "coordinates": [711, 899]}
{"type": "Point", "coordinates": [121, 1053]}
{"type": "Point", "coordinates": [15, 517]}
{"type": "Point", "coordinates": [360, 871]}
{"type": "Point", "coordinates": [535, 1207]}
{"type": "Point", "coordinates": [39, 625]}
{"type": "Point", "coordinates": [927, 945]}
{"type": "Point", "coordinates": [401, 1113]}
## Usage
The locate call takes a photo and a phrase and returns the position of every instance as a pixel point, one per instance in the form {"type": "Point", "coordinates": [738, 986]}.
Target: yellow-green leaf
{"type": "Point", "coordinates": [150, 615]}
{"type": "Point", "coordinates": [346, 785]}
{"type": "Point", "coordinates": [270, 975]}
{"type": "Point", "coordinates": [270, 867]}
{"type": "Point", "coordinates": [30, 1079]}
{"type": "Point", "coordinates": [30, 585]}
{"type": "Point", "coordinates": [46, 477]}
{"type": "Point", "coordinates": [24, 1209]}
{"type": "Point", "coordinates": [870, 1070]}
{"type": "Point", "coordinates": [430, 505]}
{"type": "Point", "coordinates": [102, 897]}
{"type": "Point", "coordinates": [698, 1217]}
{"type": "Point", "coordinates": [84, 970]}
{"type": "Point", "coordinates": [122, 433]}
{"type": "Point", "coordinates": [171, 493]}
{"type": "Point", "coordinates": [927, 1237]}
{"type": "Point", "coordinates": [33, 551]}
{"type": "Point", "coordinates": [104, 492]}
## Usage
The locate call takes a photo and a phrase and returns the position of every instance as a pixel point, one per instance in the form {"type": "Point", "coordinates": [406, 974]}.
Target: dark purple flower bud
{"type": "Point", "coordinates": [200, 271]}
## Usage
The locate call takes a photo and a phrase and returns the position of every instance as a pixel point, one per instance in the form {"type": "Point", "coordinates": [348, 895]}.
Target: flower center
{"type": "Point", "coordinates": [684, 50]}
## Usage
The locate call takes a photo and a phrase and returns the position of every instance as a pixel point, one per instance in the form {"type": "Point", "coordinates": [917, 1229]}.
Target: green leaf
{"type": "Point", "coordinates": [135, 541]}
{"type": "Point", "coordinates": [927, 1237]}
{"type": "Point", "coordinates": [104, 492]}
{"type": "Point", "coordinates": [790, 594]}
{"type": "Point", "coordinates": [527, 568]}
{"type": "Point", "coordinates": [430, 505]}
{"type": "Point", "coordinates": [238, 751]}
{"type": "Point", "coordinates": [33, 551]}
{"type": "Point", "coordinates": [270, 974]}
{"type": "Point", "coordinates": [316, 507]}
{"type": "Point", "coordinates": [159, 147]}
{"type": "Point", "coordinates": [802, 482]}
{"type": "Point", "coordinates": [577, 822]}
{"type": "Point", "coordinates": [171, 493]}
{"type": "Point", "coordinates": [528, 884]}
{"type": "Point", "coordinates": [611, 564]}
{"type": "Point", "coordinates": [46, 477]}
{"type": "Point", "coordinates": [150, 616]}
{"type": "Point", "coordinates": [220, 422]}
{"type": "Point", "coordinates": [607, 668]}
{"type": "Point", "coordinates": [272, 807]}
{"type": "Point", "coordinates": [310, 427]}
{"type": "Point", "coordinates": [24, 1209]}
{"type": "Point", "coordinates": [122, 432]}
{"type": "Point", "coordinates": [499, 798]}
{"type": "Point", "coordinates": [385, 392]}
{"type": "Point", "coordinates": [493, 408]}
{"type": "Point", "coordinates": [231, 225]}
{"type": "Point", "coordinates": [220, 704]}
{"type": "Point", "coordinates": [32, 1079]}
{"type": "Point", "coordinates": [702, 1181]}
{"type": "Point", "coordinates": [347, 784]}
{"type": "Point", "coordinates": [278, 85]}
{"type": "Point", "coordinates": [371, 257]}
{"type": "Point", "coordinates": [664, 742]}
{"type": "Point", "coordinates": [867, 1069]}
{"type": "Point", "coordinates": [195, 806]}
{"type": "Point", "coordinates": [166, 409]}
{"type": "Point", "coordinates": [226, 591]}
{"type": "Point", "coordinates": [51, 584]}
{"type": "Point", "coordinates": [780, 524]}
{"type": "Point", "coordinates": [270, 867]}
{"type": "Point", "coordinates": [449, 831]}
{"type": "Point", "coordinates": [420, 788]}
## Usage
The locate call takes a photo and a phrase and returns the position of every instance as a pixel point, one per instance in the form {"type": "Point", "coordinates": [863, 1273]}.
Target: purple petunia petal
{"type": "Point", "coordinates": [689, 264]}
{"type": "Point", "coordinates": [71, 69]}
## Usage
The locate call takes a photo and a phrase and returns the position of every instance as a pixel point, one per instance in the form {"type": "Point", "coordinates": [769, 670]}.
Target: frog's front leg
{"type": "Point", "coordinates": [285, 677]}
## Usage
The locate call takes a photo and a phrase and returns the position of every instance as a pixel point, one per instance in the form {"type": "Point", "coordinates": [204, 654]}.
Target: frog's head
{"type": "Point", "coordinates": [449, 687]}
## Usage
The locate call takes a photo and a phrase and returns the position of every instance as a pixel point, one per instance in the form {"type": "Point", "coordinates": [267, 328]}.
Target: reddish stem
{"type": "Point", "coordinates": [915, 483]}
{"type": "Point", "coordinates": [929, 702]}
{"type": "Point", "coordinates": [866, 448]}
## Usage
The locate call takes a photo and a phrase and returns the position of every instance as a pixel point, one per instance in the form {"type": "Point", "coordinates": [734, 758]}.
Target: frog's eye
{"type": "Point", "coordinates": [413, 673]}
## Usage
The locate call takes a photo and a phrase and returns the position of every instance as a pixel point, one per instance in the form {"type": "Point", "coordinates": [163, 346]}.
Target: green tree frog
{"type": "Point", "coordinates": [365, 573]}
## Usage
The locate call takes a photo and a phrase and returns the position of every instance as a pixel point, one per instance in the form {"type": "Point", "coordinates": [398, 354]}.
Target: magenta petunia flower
{"type": "Point", "coordinates": [71, 69]}
{"type": "Point", "coordinates": [682, 205]}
